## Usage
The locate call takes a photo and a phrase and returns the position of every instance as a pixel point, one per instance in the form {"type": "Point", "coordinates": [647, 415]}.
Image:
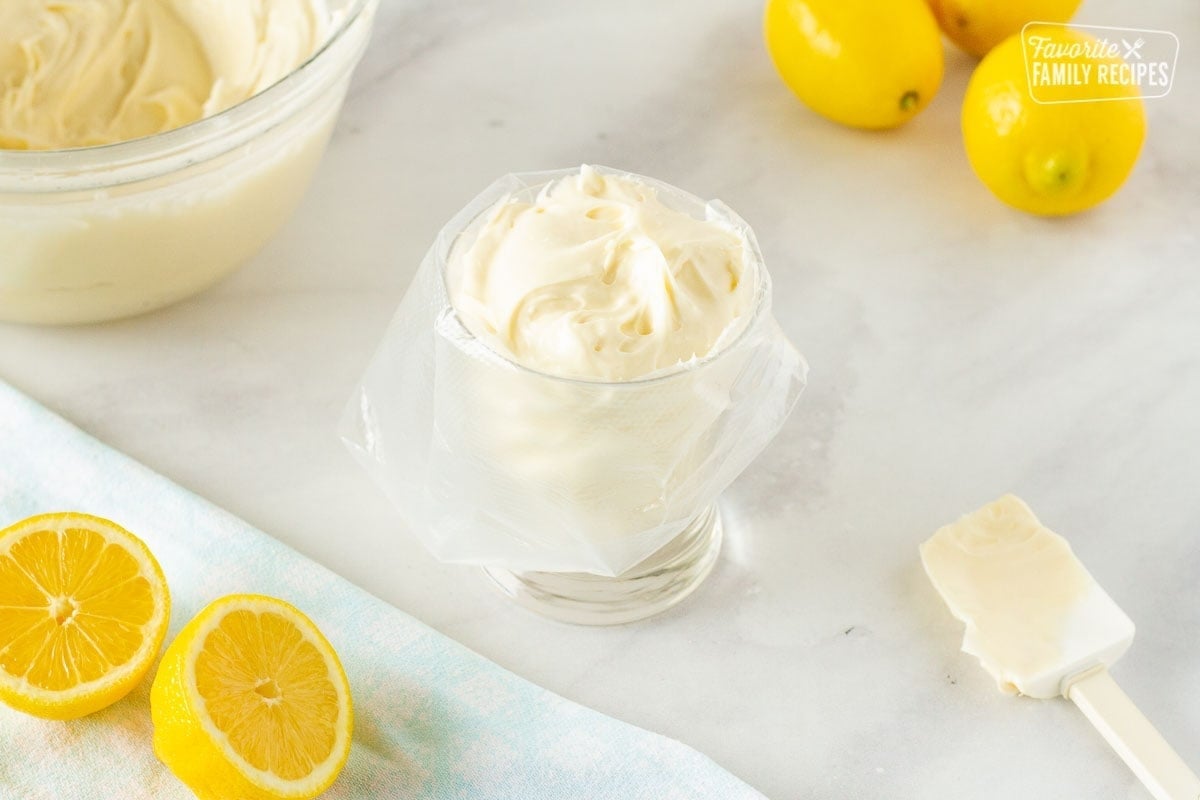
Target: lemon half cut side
{"type": "Point", "coordinates": [251, 703]}
{"type": "Point", "coordinates": [84, 608]}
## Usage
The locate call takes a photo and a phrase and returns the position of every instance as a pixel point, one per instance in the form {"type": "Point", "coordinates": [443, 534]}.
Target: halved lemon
{"type": "Point", "coordinates": [83, 610]}
{"type": "Point", "coordinates": [250, 702]}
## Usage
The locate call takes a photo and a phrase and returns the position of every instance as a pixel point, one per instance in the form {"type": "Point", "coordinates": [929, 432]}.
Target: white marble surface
{"type": "Point", "coordinates": [958, 350]}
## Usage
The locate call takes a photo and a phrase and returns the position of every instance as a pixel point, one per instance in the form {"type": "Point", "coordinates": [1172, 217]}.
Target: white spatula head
{"type": "Point", "coordinates": [1034, 616]}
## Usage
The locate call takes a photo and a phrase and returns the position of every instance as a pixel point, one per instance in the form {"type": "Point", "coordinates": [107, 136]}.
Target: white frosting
{"type": "Point", "coordinates": [93, 72]}
{"type": "Point", "coordinates": [598, 279]}
{"type": "Point", "coordinates": [1034, 616]}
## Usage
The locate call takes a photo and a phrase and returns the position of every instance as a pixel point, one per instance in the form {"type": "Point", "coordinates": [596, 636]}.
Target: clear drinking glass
{"type": "Point", "coordinates": [588, 501]}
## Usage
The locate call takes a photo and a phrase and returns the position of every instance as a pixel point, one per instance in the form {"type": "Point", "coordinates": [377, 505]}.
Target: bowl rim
{"type": "Point", "coordinates": [77, 162]}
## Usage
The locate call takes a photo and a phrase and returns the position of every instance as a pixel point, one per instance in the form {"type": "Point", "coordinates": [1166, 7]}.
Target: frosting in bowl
{"type": "Point", "coordinates": [94, 72]}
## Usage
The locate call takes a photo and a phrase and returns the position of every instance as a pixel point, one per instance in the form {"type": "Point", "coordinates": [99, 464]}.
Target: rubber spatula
{"type": "Point", "coordinates": [1042, 626]}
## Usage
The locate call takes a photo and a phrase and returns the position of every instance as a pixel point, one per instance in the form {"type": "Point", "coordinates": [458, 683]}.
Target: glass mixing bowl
{"type": "Point", "coordinates": [99, 233]}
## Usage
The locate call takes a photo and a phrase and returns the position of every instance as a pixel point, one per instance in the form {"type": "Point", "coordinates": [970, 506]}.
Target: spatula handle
{"type": "Point", "coordinates": [1133, 737]}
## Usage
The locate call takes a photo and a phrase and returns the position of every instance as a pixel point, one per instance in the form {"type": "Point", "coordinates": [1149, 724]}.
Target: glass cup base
{"type": "Point", "coordinates": [659, 582]}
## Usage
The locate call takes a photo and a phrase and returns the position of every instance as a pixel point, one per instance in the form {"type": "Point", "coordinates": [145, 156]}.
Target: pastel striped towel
{"type": "Point", "coordinates": [433, 719]}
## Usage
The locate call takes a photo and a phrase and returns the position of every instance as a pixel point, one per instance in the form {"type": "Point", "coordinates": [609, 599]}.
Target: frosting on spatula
{"type": "Point", "coordinates": [1034, 615]}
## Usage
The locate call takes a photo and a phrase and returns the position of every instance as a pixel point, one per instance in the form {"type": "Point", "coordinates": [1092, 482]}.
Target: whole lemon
{"type": "Point", "coordinates": [979, 25]}
{"type": "Point", "coordinates": [863, 63]}
{"type": "Point", "coordinates": [1050, 158]}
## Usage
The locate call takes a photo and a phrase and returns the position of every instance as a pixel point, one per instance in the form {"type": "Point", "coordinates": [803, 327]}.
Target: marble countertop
{"type": "Point", "coordinates": [958, 349]}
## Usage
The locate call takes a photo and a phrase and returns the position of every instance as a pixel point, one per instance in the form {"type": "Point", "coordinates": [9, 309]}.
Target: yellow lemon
{"type": "Point", "coordinates": [1051, 158]}
{"type": "Point", "coordinates": [251, 703]}
{"type": "Point", "coordinates": [979, 25]}
{"type": "Point", "coordinates": [863, 63]}
{"type": "Point", "coordinates": [83, 610]}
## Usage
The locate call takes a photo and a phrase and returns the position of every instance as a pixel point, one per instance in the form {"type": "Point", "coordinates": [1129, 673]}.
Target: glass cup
{"type": "Point", "coordinates": [587, 501]}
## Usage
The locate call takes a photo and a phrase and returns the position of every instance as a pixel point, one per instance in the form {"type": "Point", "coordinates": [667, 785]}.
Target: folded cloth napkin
{"type": "Point", "coordinates": [432, 719]}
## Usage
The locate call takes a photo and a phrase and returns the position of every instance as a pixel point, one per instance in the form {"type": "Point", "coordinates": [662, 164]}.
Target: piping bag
{"type": "Point", "coordinates": [1042, 627]}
